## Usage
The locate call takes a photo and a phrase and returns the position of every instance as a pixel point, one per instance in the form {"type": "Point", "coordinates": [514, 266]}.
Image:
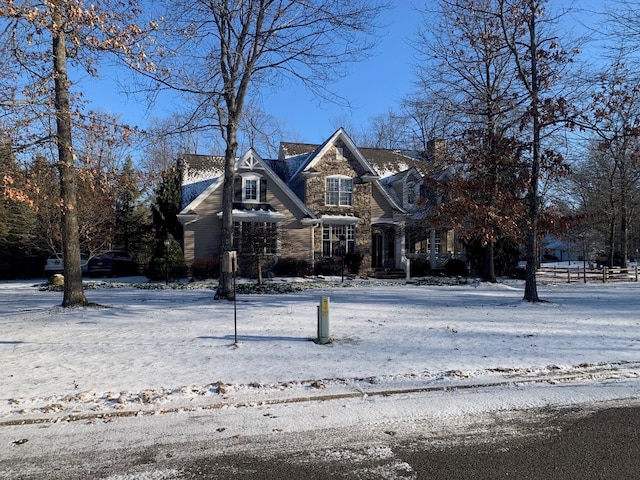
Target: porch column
{"type": "Point", "coordinates": [433, 259]}
{"type": "Point", "coordinates": [312, 260]}
{"type": "Point", "coordinates": [400, 249]}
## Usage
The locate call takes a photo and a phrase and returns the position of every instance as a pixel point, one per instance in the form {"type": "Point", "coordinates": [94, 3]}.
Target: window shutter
{"type": "Point", "coordinates": [263, 190]}
{"type": "Point", "coordinates": [237, 189]}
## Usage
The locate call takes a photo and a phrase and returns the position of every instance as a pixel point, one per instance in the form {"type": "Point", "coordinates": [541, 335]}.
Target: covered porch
{"type": "Point", "coordinates": [387, 250]}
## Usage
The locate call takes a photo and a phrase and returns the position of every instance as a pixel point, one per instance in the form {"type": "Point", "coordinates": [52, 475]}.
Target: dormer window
{"type": "Point", "coordinates": [339, 191]}
{"type": "Point", "coordinates": [411, 190]}
{"type": "Point", "coordinates": [250, 188]}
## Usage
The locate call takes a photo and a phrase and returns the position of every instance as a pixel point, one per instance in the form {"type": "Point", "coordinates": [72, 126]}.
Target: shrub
{"type": "Point", "coordinates": [520, 273]}
{"type": "Point", "coordinates": [353, 261]}
{"type": "Point", "coordinates": [456, 268]}
{"type": "Point", "coordinates": [206, 267]}
{"type": "Point", "coordinates": [420, 267]}
{"type": "Point", "coordinates": [329, 266]}
{"type": "Point", "coordinates": [291, 267]}
{"type": "Point", "coordinates": [165, 264]}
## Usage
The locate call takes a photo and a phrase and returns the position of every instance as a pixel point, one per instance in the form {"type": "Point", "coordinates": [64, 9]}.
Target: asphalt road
{"type": "Point", "coordinates": [569, 443]}
{"type": "Point", "coordinates": [563, 445]}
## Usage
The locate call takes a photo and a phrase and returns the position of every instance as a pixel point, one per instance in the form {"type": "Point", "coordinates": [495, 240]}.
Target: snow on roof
{"type": "Point", "coordinates": [340, 219]}
{"type": "Point", "coordinates": [191, 191]}
{"type": "Point", "coordinates": [385, 161]}
{"type": "Point", "coordinates": [198, 168]}
{"type": "Point", "coordinates": [257, 215]}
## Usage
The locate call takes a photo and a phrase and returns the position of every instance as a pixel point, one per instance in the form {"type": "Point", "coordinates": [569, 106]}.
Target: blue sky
{"type": "Point", "coordinates": [372, 86]}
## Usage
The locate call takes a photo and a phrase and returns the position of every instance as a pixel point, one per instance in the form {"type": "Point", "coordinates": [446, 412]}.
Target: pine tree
{"type": "Point", "coordinates": [167, 260]}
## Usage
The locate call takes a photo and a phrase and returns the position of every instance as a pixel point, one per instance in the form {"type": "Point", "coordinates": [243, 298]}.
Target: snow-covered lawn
{"type": "Point", "coordinates": [172, 349]}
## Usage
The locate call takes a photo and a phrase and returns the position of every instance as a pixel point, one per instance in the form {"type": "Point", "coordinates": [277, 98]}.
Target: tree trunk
{"type": "Point", "coordinates": [259, 267]}
{"type": "Point", "coordinates": [488, 263]}
{"type": "Point", "coordinates": [225, 284]}
{"type": "Point", "coordinates": [530, 286]}
{"type": "Point", "coordinates": [611, 237]}
{"type": "Point", "coordinates": [624, 232]}
{"type": "Point", "coordinates": [73, 292]}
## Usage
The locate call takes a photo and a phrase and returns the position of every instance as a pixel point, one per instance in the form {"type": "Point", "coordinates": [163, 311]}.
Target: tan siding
{"type": "Point", "coordinates": [295, 238]}
{"type": "Point", "coordinates": [296, 242]}
{"type": "Point", "coordinates": [206, 230]}
{"type": "Point", "coordinates": [188, 242]}
{"type": "Point", "coordinates": [203, 237]}
{"type": "Point", "coordinates": [380, 207]}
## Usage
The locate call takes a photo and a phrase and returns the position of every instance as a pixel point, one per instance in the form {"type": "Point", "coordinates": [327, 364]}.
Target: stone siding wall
{"type": "Point", "coordinates": [335, 164]}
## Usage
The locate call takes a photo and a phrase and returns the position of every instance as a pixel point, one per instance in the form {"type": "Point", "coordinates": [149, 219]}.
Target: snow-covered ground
{"type": "Point", "coordinates": [162, 350]}
{"type": "Point", "coordinates": [153, 371]}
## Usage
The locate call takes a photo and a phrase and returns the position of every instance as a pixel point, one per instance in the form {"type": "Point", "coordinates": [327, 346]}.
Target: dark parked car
{"type": "Point", "coordinates": [115, 263]}
{"type": "Point", "coordinates": [55, 264]}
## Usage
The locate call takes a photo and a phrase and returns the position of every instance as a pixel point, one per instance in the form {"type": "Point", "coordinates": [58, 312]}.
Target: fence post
{"type": "Point", "coordinates": [604, 274]}
{"type": "Point", "coordinates": [568, 275]}
{"type": "Point", "coordinates": [636, 273]}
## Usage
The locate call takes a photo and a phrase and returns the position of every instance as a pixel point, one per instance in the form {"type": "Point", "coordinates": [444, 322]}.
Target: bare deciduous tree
{"type": "Point", "coordinates": [39, 42]}
{"type": "Point", "coordinates": [540, 63]}
{"type": "Point", "coordinates": [612, 120]}
{"type": "Point", "coordinates": [469, 70]}
{"type": "Point", "coordinates": [226, 50]}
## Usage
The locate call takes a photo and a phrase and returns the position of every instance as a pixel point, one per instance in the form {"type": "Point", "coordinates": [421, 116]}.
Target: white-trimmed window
{"type": "Point", "coordinates": [339, 191]}
{"type": "Point", "coordinates": [437, 243]}
{"type": "Point", "coordinates": [411, 191]}
{"type": "Point", "coordinates": [338, 240]}
{"type": "Point", "coordinates": [250, 188]}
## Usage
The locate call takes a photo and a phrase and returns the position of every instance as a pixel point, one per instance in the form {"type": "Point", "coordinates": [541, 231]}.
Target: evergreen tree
{"type": "Point", "coordinates": [168, 260]}
{"type": "Point", "coordinates": [167, 205]}
{"type": "Point", "coordinates": [132, 218]}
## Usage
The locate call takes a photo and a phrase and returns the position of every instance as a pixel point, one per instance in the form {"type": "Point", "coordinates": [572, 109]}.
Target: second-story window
{"type": "Point", "coordinates": [250, 190]}
{"type": "Point", "coordinates": [339, 191]}
{"type": "Point", "coordinates": [411, 193]}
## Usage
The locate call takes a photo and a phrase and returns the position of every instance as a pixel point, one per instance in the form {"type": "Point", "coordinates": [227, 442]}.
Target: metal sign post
{"type": "Point", "coordinates": [230, 265]}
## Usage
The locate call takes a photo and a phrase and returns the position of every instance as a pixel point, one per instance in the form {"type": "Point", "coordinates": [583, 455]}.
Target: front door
{"type": "Point", "coordinates": [377, 254]}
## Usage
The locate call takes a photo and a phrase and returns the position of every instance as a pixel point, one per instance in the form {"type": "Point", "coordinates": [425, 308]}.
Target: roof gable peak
{"type": "Point", "coordinates": [250, 161]}
{"type": "Point", "coordinates": [339, 139]}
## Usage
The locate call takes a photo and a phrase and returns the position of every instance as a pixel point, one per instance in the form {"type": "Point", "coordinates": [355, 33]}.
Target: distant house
{"type": "Point", "coordinates": [317, 203]}
{"type": "Point", "coordinates": [558, 250]}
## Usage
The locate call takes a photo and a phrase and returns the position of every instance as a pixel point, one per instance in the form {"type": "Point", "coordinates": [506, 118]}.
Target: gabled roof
{"type": "Point", "coordinates": [196, 168]}
{"type": "Point", "coordinates": [398, 180]}
{"type": "Point", "coordinates": [387, 194]}
{"type": "Point", "coordinates": [401, 176]}
{"type": "Point", "coordinates": [393, 161]}
{"type": "Point", "coordinates": [252, 161]}
{"type": "Point", "coordinates": [294, 157]}
{"type": "Point", "coordinates": [199, 172]}
{"type": "Point", "coordinates": [290, 149]}
{"type": "Point", "coordinates": [309, 161]}
{"type": "Point", "coordinates": [249, 161]}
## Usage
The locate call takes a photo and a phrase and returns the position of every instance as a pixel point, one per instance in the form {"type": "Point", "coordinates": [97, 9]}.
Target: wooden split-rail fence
{"type": "Point", "coordinates": [582, 274]}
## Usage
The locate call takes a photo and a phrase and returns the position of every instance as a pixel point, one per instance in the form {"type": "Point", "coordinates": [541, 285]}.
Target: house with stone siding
{"type": "Point", "coordinates": [317, 203]}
